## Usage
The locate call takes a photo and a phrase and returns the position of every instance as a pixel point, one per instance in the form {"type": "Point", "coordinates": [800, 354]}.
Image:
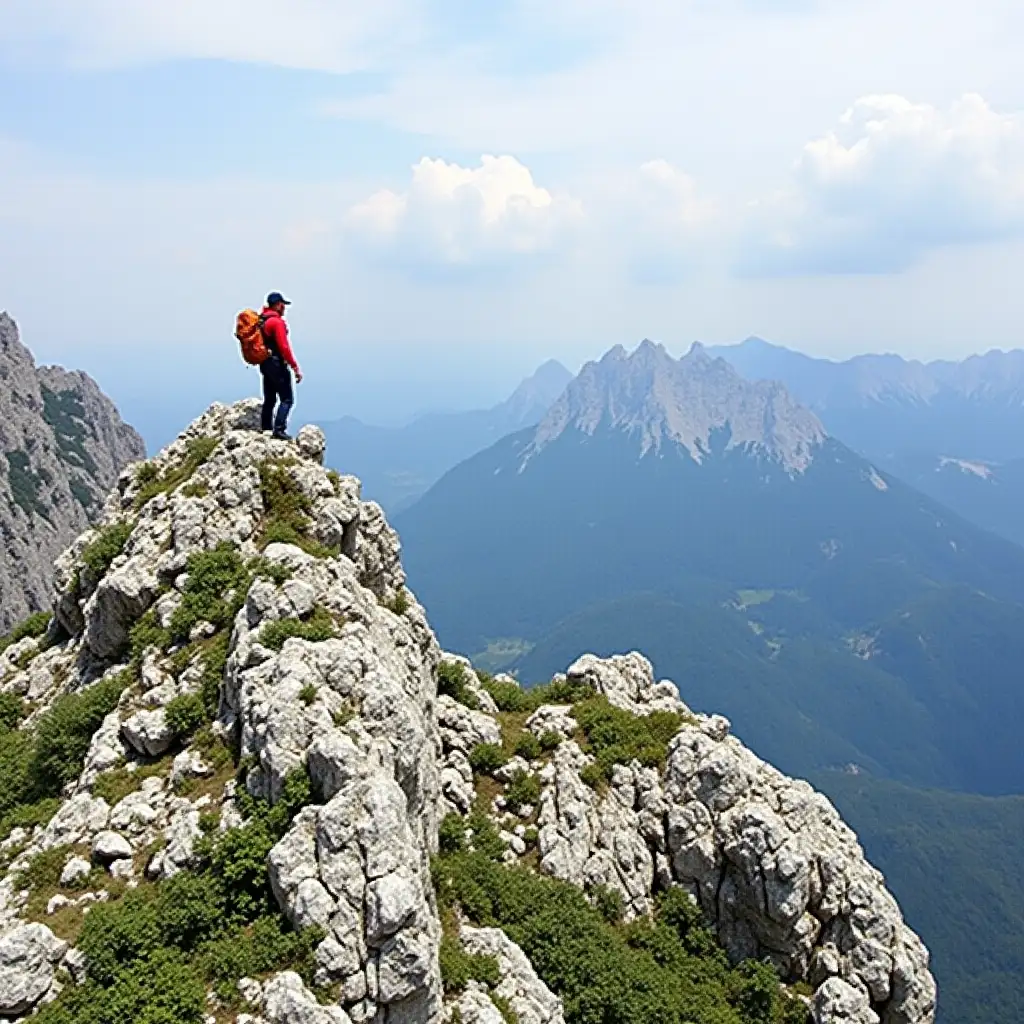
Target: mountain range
{"type": "Point", "coordinates": [851, 626]}
{"type": "Point", "coordinates": [62, 446]}
{"type": "Point", "coordinates": [398, 464]}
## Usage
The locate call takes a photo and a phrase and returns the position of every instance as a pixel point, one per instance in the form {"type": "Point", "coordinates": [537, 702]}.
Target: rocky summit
{"type": "Point", "coordinates": [684, 401]}
{"type": "Point", "coordinates": [62, 445]}
{"type": "Point", "coordinates": [240, 781]}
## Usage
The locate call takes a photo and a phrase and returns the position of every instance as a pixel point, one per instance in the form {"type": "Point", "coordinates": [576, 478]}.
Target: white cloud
{"type": "Point", "coordinates": [892, 181]}
{"type": "Point", "coordinates": [465, 216]}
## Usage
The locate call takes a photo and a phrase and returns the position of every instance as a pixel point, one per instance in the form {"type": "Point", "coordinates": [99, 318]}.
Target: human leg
{"type": "Point", "coordinates": [286, 395]}
{"type": "Point", "coordinates": [269, 397]}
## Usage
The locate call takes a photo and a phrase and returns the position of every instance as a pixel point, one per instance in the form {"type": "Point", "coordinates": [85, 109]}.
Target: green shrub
{"type": "Point", "coordinates": [25, 484]}
{"type": "Point", "coordinates": [197, 452]}
{"type": "Point", "coordinates": [218, 581]}
{"type": "Point", "coordinates": [528, 746]}
{"type": "Point", "coordinates": [43, 870]}
{"type": "Point", "coordinates": [451, 834]}
{"type": "Point", "coordinates": [507, 695]}
{"type": "Point", "coordinates": [146, 633]}
{"type": "Point", "coordinates": [34, 626]}
{"type": "Point", "coordinates": [215, 659]}
{"type": "Point", "coordinates": [308, 694]}
{"type": "Point", "coordinates": [459, 968]}
{"type": "Point", "coordinates": [288, 511]}
{"type": "Point", "coordinates": [550, 740]}
{"type": "Point", "coordinates": [108, 544]}
{"type": "Point", "coordinates": [12, 711]}
{"type": "Point", "coordinates": [63, 734]}
{"type": "Point", "coordinates": [185, 714]}
{"type": "Point", "coordinates": [487, 758]}
{"type": "Point", "coordinates": [196, 489]}
{"type": "Point", "coordinates": [523, 790]}
{"type": "Point", "coordinates": [276, 571]}
{"type": "Point", "coordinates": [607, 902]}
{"type": "Point", "coordinates": [642, 973]}
{"type": "Point", "coordinates": [399, 604]}
{"type": "Point", "coordinates": [453, 681]}
{"type": "Point", "coordinates": [615, 736]}
{"type": "Point", "coordinates": [317, 628]}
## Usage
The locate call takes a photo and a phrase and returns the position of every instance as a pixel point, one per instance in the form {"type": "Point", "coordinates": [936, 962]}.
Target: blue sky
{"type": "Point", "coordinates": [454, 191]}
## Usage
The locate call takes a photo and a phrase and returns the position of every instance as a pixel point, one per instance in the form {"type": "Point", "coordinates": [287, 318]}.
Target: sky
{"type": "Point", "coordinates": [452, 192]}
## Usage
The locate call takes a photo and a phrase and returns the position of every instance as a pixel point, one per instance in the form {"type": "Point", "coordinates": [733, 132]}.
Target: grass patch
{"type": "Point", "coordinates": [34, 626]}
{"type": "Point", "coordinates": [399, 604]}
{"type": "Point", "coordinates": [511, 697]}
{"type": "Point", "coordinates": [288, 511]}
{"type": "Point", "coordinates": [108, 544]}
{"type": "Point", "coordinates": [152, 482]}
{"type": "Point", "coordinates": [459, 968]}
{"type": "Point", "coordinates": [319, 626]}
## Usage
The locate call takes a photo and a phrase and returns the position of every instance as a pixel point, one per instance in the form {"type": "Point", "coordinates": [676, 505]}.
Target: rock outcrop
{"type": "Point", "coordinates": [247, 636]}
{"type": "Point", "coordinates": [62, 445]}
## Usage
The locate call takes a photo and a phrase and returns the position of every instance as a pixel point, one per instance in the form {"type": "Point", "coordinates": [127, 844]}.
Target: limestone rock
{"type": "Point", "coordinates": [148, 733]}
{"type": "Point", "coordinates": [28, 958]}
{"type": "Point", "coordinates": [286, 1000]}
{"type": "Point", "coordinates": [75, 870]}
{"type": "Point", "coordinates": [110, 846]}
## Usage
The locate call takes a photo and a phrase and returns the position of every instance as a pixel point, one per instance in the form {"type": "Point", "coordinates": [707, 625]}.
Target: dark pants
{"type": "Point", "coordinates": [277, 388]}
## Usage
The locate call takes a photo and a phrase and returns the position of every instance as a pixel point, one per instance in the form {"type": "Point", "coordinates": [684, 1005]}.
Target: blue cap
{"type": "Point", "coordinates": [275, 297]}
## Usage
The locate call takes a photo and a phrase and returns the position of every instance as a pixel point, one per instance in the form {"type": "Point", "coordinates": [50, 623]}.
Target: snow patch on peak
{"type": "Point", "coordinates": [658, 399]}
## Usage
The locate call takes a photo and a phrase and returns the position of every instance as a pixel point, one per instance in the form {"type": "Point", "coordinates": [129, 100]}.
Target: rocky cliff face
{"type": "Point", "coordinates": [62, 445]}
{"type": "Point", "coordinates": [240, 724]}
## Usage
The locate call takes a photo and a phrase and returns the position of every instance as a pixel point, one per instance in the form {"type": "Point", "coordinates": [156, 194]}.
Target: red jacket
{"type": "Point", "coordinates": [275, 332]}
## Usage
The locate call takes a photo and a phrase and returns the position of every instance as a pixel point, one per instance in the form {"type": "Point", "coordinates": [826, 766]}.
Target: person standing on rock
{"type": "Point", "coordinates": [277, 369]}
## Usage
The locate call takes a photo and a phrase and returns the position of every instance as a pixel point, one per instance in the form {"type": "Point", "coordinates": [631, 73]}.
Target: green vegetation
{"type": "Point", "coordinates": [107, 545]}
{"type": "Point", "coordinates": [64, 411]}
{"type": "Point", "coordinates": [288, 511]}
{"type": "Point", "coordinates": [218, 581]}
{"type": "Point", "coordinates": [34, 626]}
{"type": "Point", "coordinates": [523, 790]}
{"type": "Point", "coordinates": [12, 711]}
{"type": "Point", "coordinates": [35, 764]}
{"type": "Point", "coordinates": [151, 482]}
{"type": "Point", "coordinates": [152, 953]}
{"type": "Point", "coordinates": [25, 484]}
{"type": "Point", "coordinates": [528, 746]}
{"type": "Point", "coordinates": [487, 758]}
{"type": "Point", "coordinates": [308, 694]}
{"type": "Point", "coordinates": [315, 628]}
{"type": "Point", "coordinates": [453, 681]}
{"type": "Point", "coordinates": [668, 970]}
{"type": "Point", "coordinates": [117, 783]}
{"type": "Point", "coordinates": [513, 698]}
{"type": "Point", "coordinates": [459, 968]}
{"type": "Point", "coordinates": [84, 495]}
{"type": "Point", "coordinates": [615, 736]}
{"type": "Point", "coordinates": [399, 604]}
{"type": "Point", "coordinates": [185, 714]}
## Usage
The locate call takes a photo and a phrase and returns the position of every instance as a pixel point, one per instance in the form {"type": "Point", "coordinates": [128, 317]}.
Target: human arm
{"type": "Point", "coordinates": [279, 336]}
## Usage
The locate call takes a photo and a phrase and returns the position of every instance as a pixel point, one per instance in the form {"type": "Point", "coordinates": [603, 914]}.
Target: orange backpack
{"type": "Point", "coordinates": [249, 332]}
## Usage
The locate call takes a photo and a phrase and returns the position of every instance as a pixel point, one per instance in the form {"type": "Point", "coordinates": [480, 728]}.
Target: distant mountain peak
{"type": "Point", "coordinates": [649, 394]}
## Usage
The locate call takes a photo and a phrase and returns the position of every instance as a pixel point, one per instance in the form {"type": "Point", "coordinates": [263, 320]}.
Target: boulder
{"type": "Point", "coordinates": [29, 955]}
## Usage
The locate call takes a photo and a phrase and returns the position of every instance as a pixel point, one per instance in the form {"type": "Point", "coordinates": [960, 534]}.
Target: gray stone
{"type": "Point", "coordinates": [75, 870]}
{"type": "Point", "coordinates": [148, 733]}
{"type": "Point", "coordinates": [29, 955]}
{"type": "Point", "coordinates": [110, 846]}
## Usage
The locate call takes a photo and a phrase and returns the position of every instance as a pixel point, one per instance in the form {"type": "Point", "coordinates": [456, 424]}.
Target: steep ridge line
{"type": "Point", "coordinates": [237, 752]}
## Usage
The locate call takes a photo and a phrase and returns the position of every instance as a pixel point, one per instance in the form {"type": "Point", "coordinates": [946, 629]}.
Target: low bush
{"type": "Point", "coordinates": [550, 740]}
{"type": "Point", "coordinates": [459, 968]}
{"type": "Point", "coordinates": [185, 714]}
{"type": "Point", "coordinates": [308, 694]}
{"type": "Point", "coordinates": [218, 581]}
{"type": "Point", "coordinates": [509, 696]}
{"type": "Point", "coordinates": [615, 736]}
{"type": "Point", "coordinates": [12, 711]}
{"type": "Point", "coordinates": [487, 758]}
{"type": "Point", "coordinates": [608, 973]}
{"type": "Point", "coordinates": [107, 545]}
{"type": "Point", "coordinates": [453, 681]}
{"type": "Point", "coordinates": [528, 746]}
{"type": "Point", "coordinates": [319, 626]}
{"type": "Point", "coordinates": [34, 626]}
{"type": "Point", "coordinates": [523, 790]}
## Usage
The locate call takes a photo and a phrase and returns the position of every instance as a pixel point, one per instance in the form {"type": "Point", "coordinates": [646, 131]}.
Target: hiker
{"type": "Point", "coordinates": [277, 367]}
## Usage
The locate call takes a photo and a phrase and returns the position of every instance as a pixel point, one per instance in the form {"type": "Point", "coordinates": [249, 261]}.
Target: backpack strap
{"type": "Point", "coordinates": [267, 340]}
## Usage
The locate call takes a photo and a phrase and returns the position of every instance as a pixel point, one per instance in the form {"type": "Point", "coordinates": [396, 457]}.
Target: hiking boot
{"type": "Point", "coordinates": [282, 435]}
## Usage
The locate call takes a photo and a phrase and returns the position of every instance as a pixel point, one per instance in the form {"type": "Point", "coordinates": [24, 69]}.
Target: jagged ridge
{"type": "Point", "coordinates": [241, 614]}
